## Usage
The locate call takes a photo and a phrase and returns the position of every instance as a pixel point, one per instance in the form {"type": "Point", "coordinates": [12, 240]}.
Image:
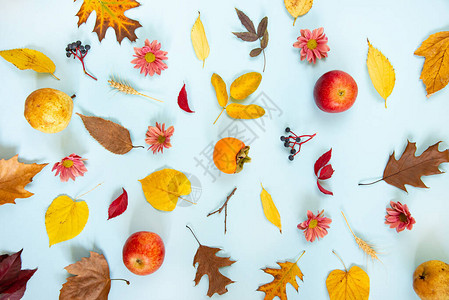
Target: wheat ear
{"type": "Point", "coordinates": [126, 88]}
{"type": "Point", "coordinates": [366, 247]}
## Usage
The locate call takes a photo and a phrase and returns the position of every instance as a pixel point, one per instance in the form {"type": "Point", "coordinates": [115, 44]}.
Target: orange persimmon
{"type": "Point", "coordinates": [230, 154]}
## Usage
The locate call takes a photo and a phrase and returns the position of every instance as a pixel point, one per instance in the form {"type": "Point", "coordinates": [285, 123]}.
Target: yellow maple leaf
{"type": "Point", "coordinates": [381, 72]}
{"type": "Point", "coordinates": [298, 7]}
{"type": "Point", "coordinates": [163, 188]}
{"type": "Point", "coordinates": [65, 219]}
{"type": "Point", "coordinates": [348, 285]}
{"type": "Point", "coordinates": [199, 40]}
{"type": "Point", "coordinates": [110, 13]}
{"type": "Point", "coordinates": [269, 209]}
{"type": "Point", "coordinates": [435, 72]}
{"type": "Point", "coordinates": [286, 274]}
{"type": "Point", "coordinates": [25, 59]}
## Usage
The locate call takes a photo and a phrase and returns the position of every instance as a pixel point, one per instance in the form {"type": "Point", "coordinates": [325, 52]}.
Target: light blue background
{"type": "Point", "coordinates": [362, 139]}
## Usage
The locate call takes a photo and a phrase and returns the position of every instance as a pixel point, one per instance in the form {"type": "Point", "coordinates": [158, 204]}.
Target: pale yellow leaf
{"type": "Point", "coordinates": [65, 219]}
{"type": "Point", "coordinates": [220, 89]}
{"type": "Point", "coordinates": [270, 210]}
{"type": "Point", "coordinates": [348, 285]}
{"type": "Point", "coordinates": [245, 85]}
{"type": "Point", "coordinates": [381, 72]}
{"type": "Point", "coordinates": [199, 40]}
{"type": "Point", "coordinates": [240, 111]}
{"type": "Point", "coordinates": [163, 188]}
{"type": "Point", "coordinates": [29, 59]}
{"type": "Point", "coordinates": [298, 7]}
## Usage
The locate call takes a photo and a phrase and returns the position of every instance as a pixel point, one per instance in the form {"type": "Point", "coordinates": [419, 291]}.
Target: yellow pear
{"type": "Point", "coordinates": [48, 110]}
{"type": "Point", "coordinates": [431, 280]}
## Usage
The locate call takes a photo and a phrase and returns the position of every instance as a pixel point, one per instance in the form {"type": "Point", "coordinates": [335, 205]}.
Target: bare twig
{"type": "Point", "coordinates": [225, 207]}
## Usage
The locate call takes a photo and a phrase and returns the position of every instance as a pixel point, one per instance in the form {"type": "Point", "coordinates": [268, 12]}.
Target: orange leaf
{"type": "Point", "coordinates": [110, 13]}
{"type": "Point", "coordinates": [14, 176]}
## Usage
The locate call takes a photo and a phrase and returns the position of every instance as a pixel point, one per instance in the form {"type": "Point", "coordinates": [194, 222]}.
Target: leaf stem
{"type": "Point", "coordinates": [294, 21]}
{"type": "Point", "coordinates": [88, 191]}
{"type": "Point", "coordinates": [303, 252]}
{"type": "Point", "coordinates": [371, 182]}
{"type": "Point", "coordinates": [333, 251]}
{"type": "Point", "coordinates": [219, 116]}
{"type": "Point", "coordinates": [264, 60]}
{"type": "Point", "coordinates": [193, 234]}
{"type": "Point", "coordinates": [138, 146]}
{"type": "Point", "coordinates": [52, 74]}
{"type": "Point", "coordinates": [127, 282]}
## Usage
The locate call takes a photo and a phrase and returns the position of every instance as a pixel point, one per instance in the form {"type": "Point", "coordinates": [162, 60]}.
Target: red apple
{"type": "Point", "coordinates": [143, 252]}
{"type": "Point", "coordinates": [335, 91]}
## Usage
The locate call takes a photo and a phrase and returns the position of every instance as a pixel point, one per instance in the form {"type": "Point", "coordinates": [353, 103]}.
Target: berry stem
{"type": "Point", "coordinates": [81, 58]}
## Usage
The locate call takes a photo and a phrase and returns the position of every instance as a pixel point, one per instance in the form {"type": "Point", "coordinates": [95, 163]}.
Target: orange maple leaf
{"type": "Point", "coordinates": [110, 13]}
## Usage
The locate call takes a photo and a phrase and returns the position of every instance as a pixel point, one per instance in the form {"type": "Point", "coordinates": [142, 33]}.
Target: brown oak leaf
{"type": "Point", "coordinates": [110, 13]}
{"type": "Point", "coordinates": [209, 264]}
{"type": "Point", "coordinates": [14, 176]}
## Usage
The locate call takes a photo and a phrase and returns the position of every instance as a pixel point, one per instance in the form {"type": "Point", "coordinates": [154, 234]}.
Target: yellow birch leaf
{"type": "Point", "coordinates": [348, 285]}
{"type": "Point", "coordinates": [199, 40]}
{"type": "Point", "coordinates": [163, 188]}
{"type": "Point", "coordinates": [245, 85]}
{"type": "Point", "coordinates": [298, 7]}
{"type": "Point", "coordinates": [220, 89]}
{"type": "Point", "coordinates": [381, 72]}
{"type": "Point", "coordinates": [25, 59]}
{"type": "Point", "coordinates": [65, 219]}
{"type": "Point", "coordinates": [240, 111]}
{"type": "Point", "coordinates": [435, 72]}
{"type": "Point", "coordinates": [270, 210]}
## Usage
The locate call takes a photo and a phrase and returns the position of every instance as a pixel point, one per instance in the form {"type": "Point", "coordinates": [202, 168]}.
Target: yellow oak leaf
{"type": "Point", "coordinates": [245, 85]}
{"type": "Point", "coordinates": [381, 72]}
{"type": "Point", "coordinates": [269, 209]}
{"type": "Point", "coordinates": [110, 13]}
{"type": "Point", "coordinates": [199, 40]}
{"type": "Point", "coordinates": [220, 89]}
{"type": "Point", "coordinates": [286, 274]}
{"type": "Point", "coordinates": [435, 72]}
{"type": "Point", "coordinates": [25, 59]}
{"type": "Point", "coordinates": [65, 219]}
{"type": "Point", "coordinates": [163, 188]}
{"type": "Point", "coordinates": [240, 111]}
{"type": "Point", "coordinates": [298, 7]}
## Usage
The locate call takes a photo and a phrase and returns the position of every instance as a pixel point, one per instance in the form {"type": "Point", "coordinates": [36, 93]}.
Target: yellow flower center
{"type": "Point", "coordinates": [313, 224]}
{"type": "Point", "coordinates": [403, 218]}
{"type": "Point", "coordinates": [161, 139]}
{"type": "Point", "coordinates": [312, 44]}
{"type": "Point", "coordinates": [150, 57]}
{"type": "Point", "coordinates": [68, 163]}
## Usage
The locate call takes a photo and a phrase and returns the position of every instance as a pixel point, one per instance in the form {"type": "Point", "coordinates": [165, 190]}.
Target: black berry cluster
{"type": "Point", "coordinates": [292, 140]}
{"type": "Point", "coordinates": [78, 50]}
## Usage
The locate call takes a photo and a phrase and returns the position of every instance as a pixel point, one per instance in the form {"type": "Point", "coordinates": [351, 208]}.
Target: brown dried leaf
{"type": "Point", "coordinates": [409, 168]}
{"type": "Point", "coordinates": [264, 41]}
{"type": "Point", "coordinates": [110, 135]}
{"type": "Point", "coordinates": [249, 25]}
{"type": "Point", "coordinates": [262, 28]}
{"type": "Point", "coordinates": [14, 176]}
{"type": "Point", "coordinates": [92, 280]}
{"type": "Point", "coordinates": [246, 36]}
{"type": "Point", "coordinates": [255, 52]}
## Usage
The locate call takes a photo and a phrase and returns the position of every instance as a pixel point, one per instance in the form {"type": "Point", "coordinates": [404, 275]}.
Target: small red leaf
{"type": "Point", "coordinates": [119, 205]}
{"type": "Point", "coordinates": [18, 287]}
{"type": "Point", "coordinates": [182, 100]}
{"type": "Point", "coordinates": [322, 161]}
{"type": "Point", "coordinates": [326, 172]}
{"type": "Point", "coordinates": [323, 190]}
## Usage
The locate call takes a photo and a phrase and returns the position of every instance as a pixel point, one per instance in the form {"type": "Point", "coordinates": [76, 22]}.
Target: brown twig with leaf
{"type": "Point", "coordinates": [252, 35]}
{"type": "Point", "coordinates": [225, 207]}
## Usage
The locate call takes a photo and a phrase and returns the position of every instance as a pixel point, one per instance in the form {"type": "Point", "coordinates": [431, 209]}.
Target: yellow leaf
{"type": "Point", "coordinates": [381, 72]}
{"type": "Point", "coordinates": [65, 219]}
{"type": "Point", "coordinates": [348, 285]}
{"type": "Point", "coordinates": [245, 85]}
{"type": "Point", "coordinates": [220, 89]}
{"type": "Point", "coordinates": [25, 59]}
{"type": "Point", "coordinates": [240, 111]}
{"type": "Point", "coordinates": [435, 73]}
{"type": "Point", "coordinates": [270, 210]}
{"type": "Point", "coordinates": [199, 40]}
{"type": "Point", "coordinates": [298, 7]}
{"type": "Point", "coordinates": [163, 188]}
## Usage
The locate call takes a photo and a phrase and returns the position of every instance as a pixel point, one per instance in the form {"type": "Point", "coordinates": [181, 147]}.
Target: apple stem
{"type": "Point", "coordinates": [333, 251]}
{"type": "Point", "coordinates": [193, 234]}
{"type": "Point", "coordinates": [127, 282]}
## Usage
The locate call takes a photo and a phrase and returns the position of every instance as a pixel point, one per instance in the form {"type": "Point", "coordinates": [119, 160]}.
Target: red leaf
{"type": "Point", "coordinates": [322, 161]}
{"type": "Point", "coordinates": [323, 190]}
{"type": "Point", "coordinates": [18, 287]}
{"type": "Point", "coordinates": [119, 205]}
{"type": "Point", "coordinates": [10, 268]}
{"type": "Point", "coordinates": [326, 172]}
{"type": "Point", "coordinates": [13, 280]}
{"type": "Point", "coordinates": [182, 100]}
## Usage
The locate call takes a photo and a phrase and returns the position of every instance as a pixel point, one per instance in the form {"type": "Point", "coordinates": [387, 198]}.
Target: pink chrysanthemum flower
{"type": "Point", "coordinates": [399, 217]}
{"type": "Point", "coordinates": [313, 44]}
{"type": "Point", "coordinates": [315, 227]}
{"type": "Point", "coordinates": [150, 58]}
{"type": "Point", "coordinates": [158, 137]}
{"type": "Point", "coordinates": [70, 167]}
